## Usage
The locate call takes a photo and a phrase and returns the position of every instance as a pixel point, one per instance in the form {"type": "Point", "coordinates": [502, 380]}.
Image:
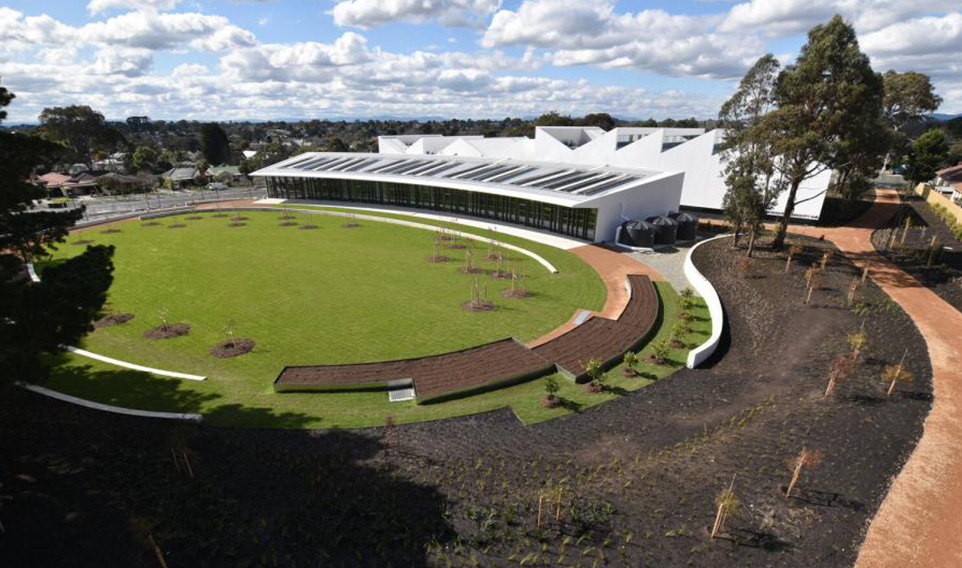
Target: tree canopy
{"type": "Point", "coordinates": [80, 129]}
{"type": "Point", "coordinates": [39, 317]}
{"type": "Point", "coordinates": [926, 156]}
{"type": "Point", "coordinates": [214, 144]}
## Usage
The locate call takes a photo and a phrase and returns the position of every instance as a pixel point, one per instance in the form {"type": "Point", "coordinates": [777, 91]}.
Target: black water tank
{"type": "Point", "coordinates": [687, 226]}
{"type": "Point", "coordinates": [666, 230]}
{"type": "Point", "coordinates": [637, 234]}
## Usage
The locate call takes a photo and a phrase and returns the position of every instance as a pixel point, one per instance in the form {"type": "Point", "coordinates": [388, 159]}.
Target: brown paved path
{"type": "Point", "coordinates": [920, 521]}
{"type": "Point", "coordinates": [613, 267]}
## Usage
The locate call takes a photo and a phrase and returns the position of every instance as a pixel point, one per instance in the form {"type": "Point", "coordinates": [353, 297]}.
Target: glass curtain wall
{"type": "Point", "coordinates": [578, 223]}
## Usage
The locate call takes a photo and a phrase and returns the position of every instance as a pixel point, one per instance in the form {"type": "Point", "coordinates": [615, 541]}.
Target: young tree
{"type": "Point", "coordinates": [631, 361]}
{"type": "Point", "coordinates": [214, 144]}
{"type": "Point", "coordinates": [830, 95]}
{"type": "Point", "coordinates": [144, 159]}
{"type": "Point", "coordinates": [908, 97]}
{"type": "Point", "coordinates": [805, 458]}
{"type": "Point", "coordinates": [857, 340]}
{"type": "Point", "coordinates": [39, 317]}
{"type": "Point", "coordinates": [926, 156]}
{"type": "Point", "coordinates": [750, 173]}
{"type": "Point", "coordinates": [726, 505]}
{"type": "Point", "coordinates": [551, 387]}
{"type": "Point", "coordinates": [841, 370]}
{"type": "Point", "coordinates": [893, 374]}
{"type": "Point", "coordinates": [596, 372]}
{"type": "Point", "coordinates": [80, 129]}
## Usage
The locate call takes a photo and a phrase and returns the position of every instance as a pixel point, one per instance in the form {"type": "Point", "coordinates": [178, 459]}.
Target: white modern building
{"type": "Point", "coordinates": [694, 151]}
{"type": "Point", "coordinates": [581, 182]}
{"type": "Point", "coordinates": [583, 201]}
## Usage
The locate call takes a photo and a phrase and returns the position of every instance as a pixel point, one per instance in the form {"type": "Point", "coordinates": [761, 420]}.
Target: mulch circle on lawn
{"type": "Point", "coordinates": [176, 226]}
{"type": "Point", "coordinates": [236, 224]}
{"type": "Point", "coordinates": [456, 246]}
{"type": "Point", "coordinates": [551, 401]}
{"type": "Point", "coordinates": [151, 224]}
{"type": "Point", "coordinates": [483, 306]}
{"type": "Point", "coordinates": [509, 293]}
{"type": "Point", "coordinates": [495, 257]}
{"type": "Point", "coordinates": [438, 259]}
{"type": "Point", "coordinates": [472, 270]}
{"type": "Point", "coordinates": [82, 242]}
{"type": "Point", "coordinates": [592, 388]}
{"type": "Point", "coordinates": [226, 349]}
{"type": "Point", "coordinates": [350, 225]}
{"type": "Point", "coordinates": [220, 215]}
{"type": "Point", "coordinates": [500, 275]}
{"type": "Point", "coordinates": [286, 217]}
{"type": "Point", "coordinates": [308, 227]}
{"type": "Point", "coordinates": [194, 218]}
{"type": "Point", "coordinates": [287, 224]}
{"type": "Point", "coordinates": [109, 231]}
{"type": "Point", "coordinates": [675, 344]}
{"type": "Point", "coordinates": [168, 331]}
{"type": "Point", "coordinates": [113, 319]}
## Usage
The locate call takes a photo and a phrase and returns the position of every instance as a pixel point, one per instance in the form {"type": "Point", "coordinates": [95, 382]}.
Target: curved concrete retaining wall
{"type": "Point", "coordinates": [375, 218]}
{"type": "Point", "coordinates": [704, 288]}
{"type": "Point", "coordinates": [110, 408]}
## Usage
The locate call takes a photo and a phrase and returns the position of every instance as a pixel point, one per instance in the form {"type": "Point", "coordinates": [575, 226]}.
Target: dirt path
{"type": "Point", "coordinates": [920, 521]}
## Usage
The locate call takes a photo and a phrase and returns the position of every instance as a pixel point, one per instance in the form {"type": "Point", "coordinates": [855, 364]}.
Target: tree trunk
{"type": "Point", "coordinates": [751, 243]}
{"type": "Point", "coordinates": [782, 228]}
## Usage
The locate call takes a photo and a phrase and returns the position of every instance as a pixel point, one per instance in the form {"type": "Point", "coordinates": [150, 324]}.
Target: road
{"type": "Point", "coordinates": [105, 207]}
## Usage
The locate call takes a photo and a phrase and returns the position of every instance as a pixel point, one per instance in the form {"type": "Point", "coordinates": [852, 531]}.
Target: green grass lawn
{"type": "Point", "coordinates": [330, 295]}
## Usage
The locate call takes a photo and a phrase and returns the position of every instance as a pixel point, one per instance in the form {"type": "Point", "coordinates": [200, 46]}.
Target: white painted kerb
{"type": "Point", "coordinates": [133, 366]}
{"type": "Point", "coordinates": [108, 407]}
{"type": "Point", "coordinates": [704, 288]}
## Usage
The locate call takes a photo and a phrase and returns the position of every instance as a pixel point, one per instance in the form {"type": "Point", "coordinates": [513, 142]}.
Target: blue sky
{"type": "Point", "coordinates": [259, 59]}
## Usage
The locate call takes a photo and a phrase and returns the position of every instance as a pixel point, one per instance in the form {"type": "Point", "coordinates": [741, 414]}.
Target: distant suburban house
{"type": "Point", "coordinates": [180, 178]}
{"type": "Point", "coordinates": [949, 182]}
{"type": "Point", "coordinates": [224, 174]}
{"type": "Point", "coordinates": [114, 183]}
{"type": "Point", "coordinates": [68, 185]}
{"type": "Point", "coordinates": [248, 154]}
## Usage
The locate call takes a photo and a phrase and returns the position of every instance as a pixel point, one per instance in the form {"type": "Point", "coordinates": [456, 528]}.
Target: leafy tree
{"type": "Point", "coordinates": [214, 144]}
{"type": "Point", "coordinates": [751, 177]}
{"type": "Point", "coordinates": [247, 166]}
{"type": "Point", "coordinates": [554, 119]}
{"type": "Point", "coordinates": [908, 96]}
{"type": "Point", "coordinates": [926, 156]}
{"type": "Point", "coordinates": [829, 95]}
{"type": "Point", "coordinates": [335, 144]}
{"type": "Point", "coordinates": [80, 129]}
{"type": "Point", "coordinates": [144, 159]}
{"type": "Point", "coordinates": [601, 120]}
{"type": "Point", "coordinates": [39, 317]}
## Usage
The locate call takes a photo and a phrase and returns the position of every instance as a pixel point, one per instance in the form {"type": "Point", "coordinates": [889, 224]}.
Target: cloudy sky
{"type": "Point", "coordinates": [259, 59]}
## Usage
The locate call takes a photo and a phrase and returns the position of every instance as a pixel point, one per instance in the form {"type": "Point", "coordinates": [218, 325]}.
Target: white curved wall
{"type": "Point", "coordinates": [704, 288]}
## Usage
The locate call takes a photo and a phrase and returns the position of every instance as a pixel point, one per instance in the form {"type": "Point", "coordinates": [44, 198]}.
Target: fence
{"type": "Point", "coordinates": [935, 198]}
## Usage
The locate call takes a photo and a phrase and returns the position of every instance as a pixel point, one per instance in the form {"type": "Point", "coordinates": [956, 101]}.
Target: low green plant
{"type": "Point", "coordinates": [631, 361]}
{"type": "Point", "coordinates": [596, 372]}
{"type": "Point", "coordinates": [661, 351]}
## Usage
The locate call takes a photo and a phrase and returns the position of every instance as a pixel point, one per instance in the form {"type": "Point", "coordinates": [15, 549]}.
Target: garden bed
{"type": "Point", "coordinates": [943, 273]}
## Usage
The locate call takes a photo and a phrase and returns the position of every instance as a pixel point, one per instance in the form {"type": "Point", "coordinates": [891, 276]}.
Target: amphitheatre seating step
{"type": "Point", "coordinates": [495, 364]}
{"type": "Point", "coordinates": [598, 338]}
{"type": "Point", "coordinates": [642, 308]}
{"type": "Point", "coordinates": [437, 376]}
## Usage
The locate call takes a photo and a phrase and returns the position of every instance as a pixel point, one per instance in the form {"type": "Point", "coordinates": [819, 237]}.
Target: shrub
{"type": "Point", "coordinates": [661, 351]}
{"type": "Point", "coordinates": [631, 360]}
{"type": "Point", "coordinates": [595, 372]}
{"type": "Point", "coordinates": [551, 385]}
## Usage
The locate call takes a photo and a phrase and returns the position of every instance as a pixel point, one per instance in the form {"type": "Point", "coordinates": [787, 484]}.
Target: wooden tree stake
{"type": "Point", "coordinates": [157, 551]}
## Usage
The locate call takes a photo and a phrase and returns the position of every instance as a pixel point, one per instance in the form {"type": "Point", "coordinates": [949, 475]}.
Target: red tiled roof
{"type": "Point", "coordinates": [951, 175]}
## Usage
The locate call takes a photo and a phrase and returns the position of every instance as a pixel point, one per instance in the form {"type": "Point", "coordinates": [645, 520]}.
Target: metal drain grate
{"type": "Point", "coordinates": [400, 395]}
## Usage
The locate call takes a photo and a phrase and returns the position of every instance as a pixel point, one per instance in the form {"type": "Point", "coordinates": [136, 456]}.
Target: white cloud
{"type": "Point", "coordinates": [592, 33]}
{"type": "Point", "coordinates": [929, 45]}
{"type": "Point", "coordinates": [782, 17]}
{"type": "Point", "coordinates": [96, 6]}
{"type": "Point", "coordinates": [373, 13]}
{"type": "Point", "coordinates": [151, 30]}
{"type": "Point", "coordinates": [129, 62]}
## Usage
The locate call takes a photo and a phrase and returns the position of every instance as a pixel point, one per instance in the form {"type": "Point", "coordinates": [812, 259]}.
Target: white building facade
{"type": "Point", "coordinates": [694, 151]}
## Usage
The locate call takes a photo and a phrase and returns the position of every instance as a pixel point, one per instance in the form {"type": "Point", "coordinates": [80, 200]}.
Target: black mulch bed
{"type": "Point", "coordinates": [641, 471]}
{"type": "Point", "coordinates": [82, 242]}
{"type": "Point", "coordinates": [308, 227]}
{"type": "Point", "coordinates": [113, 319]}
{"type": "Point", "coordinates": [943, 273]}
{"type": "Point", "coordinates": [151, 224]}
{"type": "Point", "coordinates": [227, 349]}
{"type": "Point", "coordinates": [838, 211]}
{"type": "Point", "coordinates": [167, 331]}
{"type": "Point", "coordinates": [110, 231]}
{"type": "Point", "coordinates": [176, 226]}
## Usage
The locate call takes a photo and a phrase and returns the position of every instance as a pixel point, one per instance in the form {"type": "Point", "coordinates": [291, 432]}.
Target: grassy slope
{"type": "Point", "coordinates": [239, 391]}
